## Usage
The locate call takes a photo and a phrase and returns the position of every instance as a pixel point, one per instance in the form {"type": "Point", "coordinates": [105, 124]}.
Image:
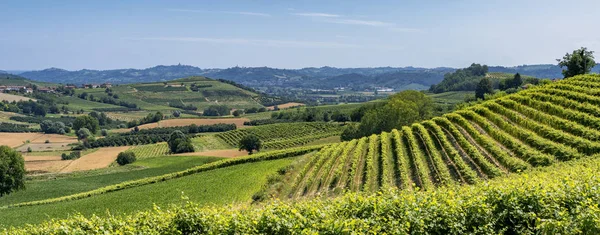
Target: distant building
{"type": "Point", "coordinates": [91, 85]}
{"type": "Point", "coordinates": [28, 90]}
{"type": "Point", "coordinates": [46, 90]}
{"type": "Point", "coordinates": [106, 85]}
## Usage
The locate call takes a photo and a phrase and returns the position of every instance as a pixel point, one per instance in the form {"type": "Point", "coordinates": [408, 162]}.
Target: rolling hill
{"type": "Point", "coordinates": [518, 144]}
{"type": "Point", "coordinates": [536, 127]}
{"type": "Point", "coordinates": [197, 92]}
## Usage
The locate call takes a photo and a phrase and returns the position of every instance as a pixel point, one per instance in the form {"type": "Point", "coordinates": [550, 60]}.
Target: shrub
{"type": "Point", "coordinates": [71, 156]}
{"type": "Point", "coordinates": [125, 158]}
{"type": "Point", "coordinates": [47, 141]}
{"type": "Point", "coordinates": [104, 132]}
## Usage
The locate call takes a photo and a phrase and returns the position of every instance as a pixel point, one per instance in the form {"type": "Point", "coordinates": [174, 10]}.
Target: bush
{"type": "Point", "coordinates": [125, 158]}
{"type": "Point", "coordinates": [71, 156]}
{"type": "Point", "coordinates": [12, 171]}
{"type": "Point", "coordinates": [83, 133]}
{"type": "Point", "coordinates": [47, 141]}
{"type": "Point", "coordinates": [104, 132]}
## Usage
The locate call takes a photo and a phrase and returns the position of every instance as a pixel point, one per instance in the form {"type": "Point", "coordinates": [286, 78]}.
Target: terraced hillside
{"type": "Point", "coordinates": [284, 135]}
{"type": "Point", "coordinates": [536, 127]}
{"type": "Point", "coordinates": [197, 92]}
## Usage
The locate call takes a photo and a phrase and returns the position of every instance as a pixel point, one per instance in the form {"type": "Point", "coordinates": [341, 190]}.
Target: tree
{"type": "Point", "coordinates": [88, 122]}
{"type": "Point", "coordinates": [176, 113]}
{"type": "Point", "coordinates": [237, 113]}
{"type": "Point", "coordinates": [580, 62]}
{"type": "Point", "coordinates": [517, 81]}
{"type": "Point", "coordinates": [484, 87]}
{"type": "Point", "coordinates": [250, 143]}
{"type": "Point", "coordinates": [12, 171]}
{"type": "Point", "coordinates": [180, 143]}
{"type": "Point", "coordinates": [216, 110]}
{"type": "Point", "coordinates": [125, 158]}
{"type": "Point", "coordinates": [399, 110]}
{"type": "Point", "coordinates": [83, 134]}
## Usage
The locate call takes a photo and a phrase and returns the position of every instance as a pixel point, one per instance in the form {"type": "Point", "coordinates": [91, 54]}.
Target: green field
{"type": "Point", "coordinates": [234, 184]}
{"type": "Point", "coordinates": [85, 181]}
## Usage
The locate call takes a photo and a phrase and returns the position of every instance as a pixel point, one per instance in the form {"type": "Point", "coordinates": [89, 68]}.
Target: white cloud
{"type": "Point", "coordinates": [255, 42]}
{"type": "Point", "coordinates": [248, 13]}
{"type": "Point", "coordinates": [360, 22]}
{"type": "Point", "coordinates": [317, 14]}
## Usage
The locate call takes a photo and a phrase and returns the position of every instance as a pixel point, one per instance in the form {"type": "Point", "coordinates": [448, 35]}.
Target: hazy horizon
{"type": "Point", "coordinates": [77, 35]}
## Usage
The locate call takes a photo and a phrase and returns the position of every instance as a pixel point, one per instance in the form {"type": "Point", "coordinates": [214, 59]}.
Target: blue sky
{"type": "Point", "coordinates": [292, 34]}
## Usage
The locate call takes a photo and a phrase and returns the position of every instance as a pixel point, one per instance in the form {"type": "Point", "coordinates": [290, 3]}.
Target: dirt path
{"type": "Point", "coordinates": [228, 153]}
{"type": "Point", "coordinates": [98, 159]}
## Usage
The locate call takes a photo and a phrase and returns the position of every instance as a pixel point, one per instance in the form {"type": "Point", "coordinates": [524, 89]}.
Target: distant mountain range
{"type": "Point", "coordinates": [262, 77]}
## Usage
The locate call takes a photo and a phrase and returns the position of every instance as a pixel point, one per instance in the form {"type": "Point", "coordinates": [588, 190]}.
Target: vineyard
{"type": "Point", "coordinates": [536, 127]}
{"type": "Point", "coordinates": [284, 135]}
{"type": "Point", "coordinates": [150, 150]}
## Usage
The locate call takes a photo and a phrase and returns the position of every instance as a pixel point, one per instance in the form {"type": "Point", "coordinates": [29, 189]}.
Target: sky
{"type": "Point", "coordinates": [114, 34]}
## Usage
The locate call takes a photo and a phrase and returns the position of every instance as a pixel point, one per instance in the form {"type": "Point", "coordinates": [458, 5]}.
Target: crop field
{"type": "Point", "coordinates": [96, 160]}
{"type": "Point", "coordinates": [239, 122]}
{"type": "Point", "coordinates": [232, 184]}
{"type": "Point", "coordinates": [537, 127]}
{"type": "Point", "coordinates": [227, 153]}
{"type": "Point", "coordinates": [77, 182]}
{"type": "Point", "coordinates": [286, 105]}
{"type": "Point", "coordinates": [18, 139]}
{"type": "Point", "coordinates": [75, 103]}
{"type": "Point", "coordinates": [284, 135]}
{"type": "Point", "coordinates": [11, 97]}
{"type": "Point", "coordinates": [201, 143]}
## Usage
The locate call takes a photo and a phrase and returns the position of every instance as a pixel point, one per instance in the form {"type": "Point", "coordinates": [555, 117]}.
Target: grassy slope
{"type": "Point", "coordinates": [235, 184]}
{"type": "Point", "coordinates": [159, 101]}
{"type": "Point", "coordinates": [43, 189]}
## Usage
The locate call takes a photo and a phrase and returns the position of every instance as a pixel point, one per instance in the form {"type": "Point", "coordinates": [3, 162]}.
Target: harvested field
{"type": "Point", "coordinates": [229, 153]}
{"type": "Point", "coordinates": [54, 138]}
{"type": "Point", "coordinates": [11, 98]}
{"type": "Point", "coordinates": [46, 166]}
{"type": "Point", "coordinates": [286, 105]}
{"type": "Point", "coordinates": [239, 122]}
{"type": "Point", "coordinates": [41, 158]}
{"type": "Point", "coordinates": [39, 147]}
{"type": "Point", "coordinates": [99, 159]}
{"type": "Point", "coordinates": [16, 139]}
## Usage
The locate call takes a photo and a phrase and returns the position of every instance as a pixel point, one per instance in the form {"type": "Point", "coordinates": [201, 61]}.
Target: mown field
{"type": "Point", "coordinates": [84, 181]}
{"type": "Point", "coordinates": [536, 127]}
{"type": "Point", "coordinates": [235, 184]}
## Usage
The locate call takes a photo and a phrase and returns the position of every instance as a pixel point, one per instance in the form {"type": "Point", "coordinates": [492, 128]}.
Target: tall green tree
{"type": "Point", "coordinates": [180, 143]}
{"type": "Point", "coordinates": [12, 171]}
{"type": "Point", "coordinates": [580, 62]}
{"type": "Point", "coordinates": [88, 122]}
{"type": "Point", "coordinates": [484, 87]}
{"type": "Point", "coordinates": [517, 81]}
{"type": "Point", "coordinates": [399, 110]}
{"type": "Point", "coordinates": [250, 143]}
